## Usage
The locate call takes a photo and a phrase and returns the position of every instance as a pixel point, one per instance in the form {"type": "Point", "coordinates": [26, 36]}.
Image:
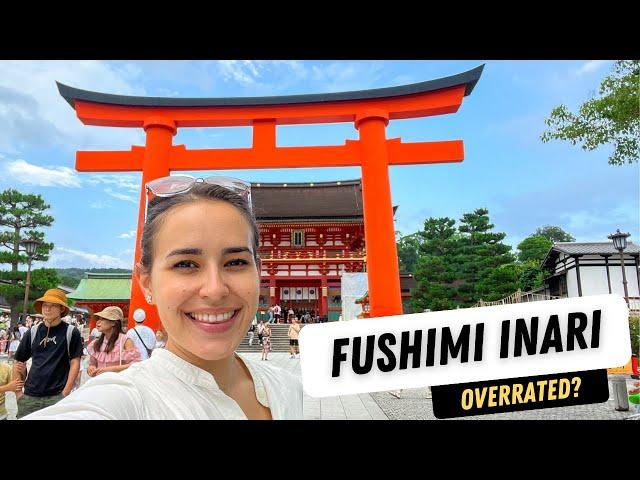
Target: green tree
{"type": "Point", "coordinates": [458, 266]}
{"type": "Point", "coordinates": [433, 292]}
{"type": "Point", "coordinates": [499, 282]}
{"type": "Point", "coordinates": [408, 251]}
{"type": "Point", "coordinates": [532, 276]}
{"type": "Point", "coordinates": [554, 234]}
{"type": "Point", "coordinates": [435, 270]}
{"type": "Point", "coordinates": [612, 118]}
{"type": "Point", "coordinates": [534, 249]}
{"type": "Point", "coordinates": [481, 250]}
{"type": "Point", "coordinates": [21, 214]}
{"type": "Point", "coordinates": [634, 331]}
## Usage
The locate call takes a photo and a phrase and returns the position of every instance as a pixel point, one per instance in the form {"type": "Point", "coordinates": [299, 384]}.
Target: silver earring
{"type": "Point", "coordinates": [148, 298]}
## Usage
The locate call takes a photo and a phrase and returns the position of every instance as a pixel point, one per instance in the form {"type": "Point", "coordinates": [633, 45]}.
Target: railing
{"type": "Point", "coordinates": [519, 297]}
{"type": "Point", "coordinates": [533, 296]}
{"type": "Point", "coordinates": [312, 254]}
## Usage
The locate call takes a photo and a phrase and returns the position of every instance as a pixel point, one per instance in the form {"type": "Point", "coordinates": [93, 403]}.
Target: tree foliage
{"type": "Point", "coordinates": [554, 234]}
{"type": "Point", "coordinates": [634, 331]}
{"type": "Point", "coordinates": [71, 277]}
{"type": "Point", "coordinates": [455, 265]}
{"type": "Point", "coordinates": [533, 249]}
{"type": "Point", "coordinates": [20, 215]}
{"type": "Point", "coordinates": [612, 118]}
{"type": "Point", "coordinates": [499, 282]}
{"type": "Point", "coordinates": [408, 251]}
{"type": "Point", "coordinates": [531, 277]}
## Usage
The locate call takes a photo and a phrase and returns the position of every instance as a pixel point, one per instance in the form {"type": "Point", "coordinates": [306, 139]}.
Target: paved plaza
{"type": "Point", "coordinates": [413, 404]}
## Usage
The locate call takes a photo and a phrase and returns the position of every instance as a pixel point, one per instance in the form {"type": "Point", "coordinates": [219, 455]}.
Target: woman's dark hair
{"type": "Point", "coordinates": [117, 330]}
{"type": "Point", "coordinates": [158, 206]}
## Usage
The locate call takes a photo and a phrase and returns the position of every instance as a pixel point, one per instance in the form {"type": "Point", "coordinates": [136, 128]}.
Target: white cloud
{"type": "Point", "coordinates": [32, 112]}
{"type": "Point", "coordinates": [120, 196]}
{"type": "Point", "coordinates": [128, 182]}
{"type": "Point", "coordinates": [590, 67]}
{"type": "Point", "coordinates": [21, 171]}
{"type": "Point", "coordinates": [296, 68]}
{"type": "Point", "coordinates": [27, 173]}
{"type": "Point", "coordinates": [99, 205]}
{"type": "Point", "coordinates": [129, 234]}
{"type": "Point", "coordinates": [346, 76]}
{"type": "Point", "coordinates": [66, 257]}
{"type": "Point", "coordinates": [593, 225]}
{"type": "Point", "coordinates": [241, 71]}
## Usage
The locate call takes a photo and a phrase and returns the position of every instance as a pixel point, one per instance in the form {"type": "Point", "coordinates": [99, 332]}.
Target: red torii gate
{"type": "Point", "coordinates": [370, 110]}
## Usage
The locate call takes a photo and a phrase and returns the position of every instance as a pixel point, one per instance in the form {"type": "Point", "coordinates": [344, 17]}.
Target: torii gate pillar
{"type": "Point", "coordinates": [383, 274]}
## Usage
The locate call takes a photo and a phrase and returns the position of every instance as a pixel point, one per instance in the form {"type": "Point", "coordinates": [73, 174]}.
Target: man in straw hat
{"type": "Point", "coordinates": [56, 349]}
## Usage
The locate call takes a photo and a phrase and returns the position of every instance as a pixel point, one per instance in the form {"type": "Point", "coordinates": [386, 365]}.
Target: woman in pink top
{"type": "Point", "coordinates": [112, 351]}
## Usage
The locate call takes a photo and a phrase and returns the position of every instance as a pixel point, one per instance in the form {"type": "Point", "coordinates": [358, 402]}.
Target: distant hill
{"type": "Point", "coordinates": [71, 277]}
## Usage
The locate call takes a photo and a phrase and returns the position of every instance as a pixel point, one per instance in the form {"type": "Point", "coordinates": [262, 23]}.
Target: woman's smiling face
{"type": "Point", "coordinates": [203, 279]}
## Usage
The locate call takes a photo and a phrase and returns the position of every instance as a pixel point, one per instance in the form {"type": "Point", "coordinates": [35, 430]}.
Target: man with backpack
{"type": "Point", "coordinates": [143, 337]}
{"type": "Point", "coordinates": [55, 348]}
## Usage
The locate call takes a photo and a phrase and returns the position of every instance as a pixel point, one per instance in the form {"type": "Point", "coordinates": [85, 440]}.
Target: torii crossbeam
{"type": "Point", "coordinates": [370, 110]}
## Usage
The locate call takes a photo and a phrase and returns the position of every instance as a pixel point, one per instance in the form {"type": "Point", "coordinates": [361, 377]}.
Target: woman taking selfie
{"type": "Point", "coordinates": [200, 268]}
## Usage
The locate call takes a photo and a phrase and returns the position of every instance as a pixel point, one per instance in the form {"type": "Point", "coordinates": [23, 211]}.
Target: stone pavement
{"type": "Point", "coordinates": [413, 404]}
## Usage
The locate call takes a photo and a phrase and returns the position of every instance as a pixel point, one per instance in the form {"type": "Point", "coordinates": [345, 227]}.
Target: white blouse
{"type": "Point", "coordinates": [166, 387]}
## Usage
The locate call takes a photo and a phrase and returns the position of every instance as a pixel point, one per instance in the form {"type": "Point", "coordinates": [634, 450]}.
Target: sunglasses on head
{"type": "Point", "coordinates": [177, 184]}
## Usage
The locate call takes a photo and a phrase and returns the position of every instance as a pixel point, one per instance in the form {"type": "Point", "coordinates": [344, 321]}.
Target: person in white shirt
{"type": "Point", "coordinates": [143, 337]}
{"type": "Point", "coordinates": [95, 333]}
{"type": "Point", "coordinates": [200, 267]}
{"type": "Point", "coordinates": [276, 313]}
{"type": "Point", "coordinates": [22, 329]}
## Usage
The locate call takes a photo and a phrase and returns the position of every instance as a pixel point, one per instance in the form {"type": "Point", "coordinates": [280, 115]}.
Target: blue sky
{"type": "Point", "coordinates": [524, 183]}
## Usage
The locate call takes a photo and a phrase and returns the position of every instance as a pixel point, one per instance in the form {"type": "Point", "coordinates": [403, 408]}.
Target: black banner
{"type": "Point", "coordinates": [524, 393]}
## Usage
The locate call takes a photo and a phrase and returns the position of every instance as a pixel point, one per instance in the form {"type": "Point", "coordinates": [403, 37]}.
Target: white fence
{"type": "Point", "coordinates": [519, 297]}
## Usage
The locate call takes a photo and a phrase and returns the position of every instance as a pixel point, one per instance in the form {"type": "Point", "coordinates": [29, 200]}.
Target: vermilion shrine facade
{"type": "Point", "coordinates": [310, 234]}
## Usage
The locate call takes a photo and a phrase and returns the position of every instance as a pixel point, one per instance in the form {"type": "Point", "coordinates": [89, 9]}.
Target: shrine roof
{"type": "Point", "coordinates": [340, 200]}
{"type": "Point", "coordinates": [103, 287]}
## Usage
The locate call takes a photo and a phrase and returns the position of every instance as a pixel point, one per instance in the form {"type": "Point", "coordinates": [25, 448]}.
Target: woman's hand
{"type": "Point", "coordinates": [91, 371]}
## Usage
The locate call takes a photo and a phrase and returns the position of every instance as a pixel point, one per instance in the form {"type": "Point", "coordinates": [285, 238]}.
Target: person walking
{"type": "Point", "coordinates": [143, 337]}
{"type": "Point", "coordinates": [277, 311]}
{"type": "Point", "coordinates": [294, 331]}
{"type": "Point", "coordinates": [266, 342]}
{"type": "Point", "coordinates": [261, 326]}
{"type": "Point", "coordinates": [252, 329]}
{"type": "Point", "coordinates": [55, 348]}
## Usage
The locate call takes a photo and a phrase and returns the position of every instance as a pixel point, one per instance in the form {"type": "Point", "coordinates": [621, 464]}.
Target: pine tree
{"type": "Point", "coordinates": [481, 251]}
{"type": "Point", "coordinates": [22, 214]}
